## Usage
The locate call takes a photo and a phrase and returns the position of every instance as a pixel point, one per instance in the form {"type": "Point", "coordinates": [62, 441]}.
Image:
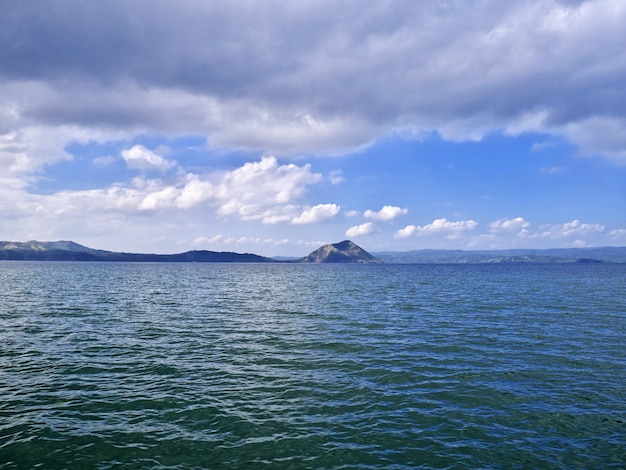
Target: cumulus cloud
{"type": "Point", "coordinates": [294, 82]}
{"type": "Point", "coordinates": [575, 228]}
{"type": "Point", "coordinates": [358, 230]}
{"type": "Point", "coordinates": [406, 232]}
{"type": "Point", "coordinates": [249, 192]}
{"type": "Point", "coordinates": [443, 225]}
{"type": "Point", "coordinates": [386, 213]}
{"type": "Point", "coordinates": [26, 150]}
{"type": "Point", "coordinates": [518, 224]}
{"type": "Point", "coordinates": [618, 234]}
{"type": "Point", "coordinates": [317, 214]}
{"type": "Point", "coordinates": [140, 158]}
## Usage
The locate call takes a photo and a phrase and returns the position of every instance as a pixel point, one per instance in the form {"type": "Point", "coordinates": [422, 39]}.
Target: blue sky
{"type": "Point", "coordinates": [272, 128]}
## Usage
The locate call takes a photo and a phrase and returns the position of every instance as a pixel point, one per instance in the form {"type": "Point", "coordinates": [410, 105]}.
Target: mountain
{"type": "Point", "coordinates": [549, 255]}
{"type": "Point", "coordinates": [71, 251]}
{"type": "Point", "coordinates": [34, 245]}
{"type": "Point", "coordinates": [342, 252]}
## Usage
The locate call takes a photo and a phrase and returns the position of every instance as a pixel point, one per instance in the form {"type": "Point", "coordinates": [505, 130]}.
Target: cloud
{"type": "Point", "coordinates": [204, 241]}
{"type": "Point", "coordinates": [442, 225]}
{"type": "Point", "coordinates": [317, 214]}
{"type": "Point", "coordinates": [252, 189]}
{"type": "Point", "coordinates": [103, 161]}
{"type": "Point", "coordinates": [599, 135]}
{"type": "Point", "coordinates": [184, 206]}
{"type": "Point", "coordinates": [575, 228]}
{"type": "Point", "coordinates": [321, 77]}
{"type": "Point", "coordinates": [386, 213]}
{"type": "Point", "coordinates": [618, 234]}
{"type": "Point", "coordinates": [407, 231]}
{"type": "Point", "coordinates": [518, 224]}
{"type": "Point", "coordinates": [220, 239]}
{"type": "Point", "coordinates": [249, 192]}
{"type": "Point", "coordinates": [140, 158]}
{"type": "Point", "coordinates": [335, 177]}
{"type": "Point", "coordinates": [358, 230]}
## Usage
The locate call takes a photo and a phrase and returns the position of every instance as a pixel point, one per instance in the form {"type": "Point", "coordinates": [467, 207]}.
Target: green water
{"type": "Point", "coordinates": [121, 366]}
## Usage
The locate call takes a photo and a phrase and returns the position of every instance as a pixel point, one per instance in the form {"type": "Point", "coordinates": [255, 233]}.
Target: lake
{"type": "Point", "coordinates": [190, 366]}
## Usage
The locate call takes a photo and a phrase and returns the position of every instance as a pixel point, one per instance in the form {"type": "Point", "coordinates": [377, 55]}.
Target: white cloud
{"type": "Point", "coordinates": [140, 158]}
{"type": "Point", "coordinates": [204, 241]}
{"type": "Point", "coordinates": [263, 191]}
{"type": "Point", "coordinates": [335, 177]}
{"type": "Point", "coordinates": [575, 228]}
{"type": "Point", "coordinates": [26, 150]}
{"type": "Point", "coordinates": [386, 213]}
{"type": "Point", "coordinates": [618, 234]}
{"type": "Point", "coordinates": [540, 146]}
{"type": "Point", "coordinates": [599, 135]}
{"type": "Point", "coordinates": [297, 81]}
{"type": "Point", "coordinates": [253, 244]}
{"type": "Point", "coordinates": [255, 187]}
{"type": "Point", "coordinates": [279, 214]}
{"type": "Point", "coordinates": [317, 214]}
{"type": "Point", "coordinates": [359, 230]}
{"type": "Point", "coordinates": [250, 192]}
{"type": "Point", "coordinates": [407, 231]}
{"type": "Point", "coordinates": [518, 224]}
{"type": "Point", "coordinates": [104, 161]}
{"type": "Point", "coordinates": [443, 225]}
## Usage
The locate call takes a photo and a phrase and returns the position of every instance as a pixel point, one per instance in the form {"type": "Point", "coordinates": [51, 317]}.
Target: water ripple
{"type": "Point", "coordinates": [291, 366]}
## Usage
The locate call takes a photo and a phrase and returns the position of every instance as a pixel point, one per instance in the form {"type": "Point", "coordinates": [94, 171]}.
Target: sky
{"type": "Point", "coordinates": [274, 127]}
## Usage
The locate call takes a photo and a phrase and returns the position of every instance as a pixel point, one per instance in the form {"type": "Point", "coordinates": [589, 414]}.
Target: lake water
{"type": "Point", "coordinates": [186, 366]}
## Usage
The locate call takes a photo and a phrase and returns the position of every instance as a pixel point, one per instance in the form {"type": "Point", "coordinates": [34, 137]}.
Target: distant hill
{"type": "Point", "coordinates": [71, 251]}
{"type": "Point", "coordinates": [37, 246]}
{"type": "Point", "coordinates": [342, 252]}
{"type": "Point", "coordinates": [553, 255]}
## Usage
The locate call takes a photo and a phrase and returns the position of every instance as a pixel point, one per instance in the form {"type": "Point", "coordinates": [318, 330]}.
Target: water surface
{"type": "Point", "coordinates": [122, 365]}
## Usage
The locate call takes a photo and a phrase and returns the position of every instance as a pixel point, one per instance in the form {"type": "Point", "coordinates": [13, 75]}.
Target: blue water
{"type": "Point", "coordinates": [124, 366]}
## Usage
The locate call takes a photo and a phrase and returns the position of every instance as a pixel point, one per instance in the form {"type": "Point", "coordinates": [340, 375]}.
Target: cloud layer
{"type": "Point", "coordinates": [309, 76]}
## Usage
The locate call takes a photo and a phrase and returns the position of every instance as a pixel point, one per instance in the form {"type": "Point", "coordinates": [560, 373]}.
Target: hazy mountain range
{"type": "Point", "coordinates": [550, 255]}
{"type": "Point", "coordinates": [342, 252]}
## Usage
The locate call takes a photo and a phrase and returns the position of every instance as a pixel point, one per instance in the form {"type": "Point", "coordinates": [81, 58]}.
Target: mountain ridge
{"type": "Point", "coordinates": [71, 251]}
{"type": "Point", "coordinates": [608, 254]}
{"type": "Point", "coordinates": [342, 252]}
